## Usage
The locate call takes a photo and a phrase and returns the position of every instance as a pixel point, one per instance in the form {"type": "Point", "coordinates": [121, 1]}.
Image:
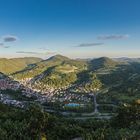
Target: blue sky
{"type": "Point", "coordinates": [76, 28]}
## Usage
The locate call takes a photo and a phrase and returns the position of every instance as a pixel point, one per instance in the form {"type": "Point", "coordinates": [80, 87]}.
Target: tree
{"type": "Point", "coordinates": [37, 120]}
{"type": "Point", "coordinates": [128, 114]}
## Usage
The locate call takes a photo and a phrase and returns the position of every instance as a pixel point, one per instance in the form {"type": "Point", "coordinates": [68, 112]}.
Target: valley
{"type": "Point", "coordinates": [97, 86]}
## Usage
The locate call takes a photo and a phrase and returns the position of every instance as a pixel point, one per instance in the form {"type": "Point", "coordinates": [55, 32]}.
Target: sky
{"type": "Point", "coordinates": [74, 28]}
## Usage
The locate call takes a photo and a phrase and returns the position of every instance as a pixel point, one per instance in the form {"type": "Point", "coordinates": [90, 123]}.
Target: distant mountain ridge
{"type": "Point", "coordinates": [61, 70]}
{"type": "Point", "coordinates": [126, 59]}
{"type": "Point", "coordinates": [63, 64]}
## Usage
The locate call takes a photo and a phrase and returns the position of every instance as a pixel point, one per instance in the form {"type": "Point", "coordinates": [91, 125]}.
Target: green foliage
{"type": "Point", "coordinates": [57, 80]}
{"type": "Point", "coordinates": [128, 114]}
{"type": "Point", "coordinates": [24, 125]}
{"type": "Point", "coordinates": [33, 124]}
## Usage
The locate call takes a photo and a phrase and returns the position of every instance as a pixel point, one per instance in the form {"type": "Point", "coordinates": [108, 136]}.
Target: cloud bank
{"type": "Point", "coordinates": [10, 38]}
{"type": "Point", "coordinates": [89, 44]}
{"type": "Point", "coordinates": [35, 53]}
{"type": "Point", "coordinates": [108, 37]}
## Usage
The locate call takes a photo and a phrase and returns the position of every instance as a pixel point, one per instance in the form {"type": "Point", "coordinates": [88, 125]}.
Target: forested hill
{"type": "Point", "coordinates": [61, 71]}
{"type": "Point", "coordinates": [8, 66]}
{"type": "Point", "coordinates": [103, 62]}
{"type": "Point", "coordinates": [58, 64]}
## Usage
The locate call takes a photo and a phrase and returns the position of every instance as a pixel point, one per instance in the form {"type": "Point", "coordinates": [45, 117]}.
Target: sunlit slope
{"type": "Point", "coordinates": [9, 66]}
{"type": "Point", "coordinates": [57, 63]}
